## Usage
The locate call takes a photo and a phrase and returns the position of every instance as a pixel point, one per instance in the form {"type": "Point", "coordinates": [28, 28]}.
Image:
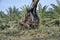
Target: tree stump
{"type": "Point", "coordinates": [31, 20]}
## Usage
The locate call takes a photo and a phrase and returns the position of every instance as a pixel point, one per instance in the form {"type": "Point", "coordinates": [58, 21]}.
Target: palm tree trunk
{"type": "Point", "coordinates": [31, 18]}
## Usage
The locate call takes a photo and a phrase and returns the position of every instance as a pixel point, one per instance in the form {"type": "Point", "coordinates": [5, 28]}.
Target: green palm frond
{"type": "Point", "coordinates": [44, 9]}
{"type": "Point", "coordinates": [56, 8]}
{"type": "Point", "coordinates": [58, 2]}
{"type": "Point", "coordinates": [39, 8]}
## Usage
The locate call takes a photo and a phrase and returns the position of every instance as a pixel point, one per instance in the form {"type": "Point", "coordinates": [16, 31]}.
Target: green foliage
{"type": "Point", "coordinates": [49, 28]}
{"type": "Point", "coordinates": [13, 13]}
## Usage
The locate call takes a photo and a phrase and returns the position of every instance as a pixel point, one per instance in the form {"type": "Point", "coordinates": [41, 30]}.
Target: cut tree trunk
{"type": "Point", "coordinates": [31, 20]}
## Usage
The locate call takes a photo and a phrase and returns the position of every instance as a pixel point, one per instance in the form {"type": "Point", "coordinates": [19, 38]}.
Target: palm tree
{"type": "Point", "coordinates": [42, 12]}
{"type": "Point", "coordinates": [2, 15]}
{"type": "Point", "coordinates": [56, 9]}
{"type": "Point", "coordinates": [13, 13]}
{"type": "Point", "coordinates": [55, 13]}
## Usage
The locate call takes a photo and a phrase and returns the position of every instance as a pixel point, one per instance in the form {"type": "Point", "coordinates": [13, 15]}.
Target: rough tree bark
{"type": "Point", "coordinates": [31, 18]}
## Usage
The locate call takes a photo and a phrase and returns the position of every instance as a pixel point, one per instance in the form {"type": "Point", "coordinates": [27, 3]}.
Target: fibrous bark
{"type": "Point", "coordinates": [31, 18]}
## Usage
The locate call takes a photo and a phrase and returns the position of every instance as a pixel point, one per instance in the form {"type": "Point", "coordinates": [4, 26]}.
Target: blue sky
{"type": "Point", "coordinates": [5, 4]}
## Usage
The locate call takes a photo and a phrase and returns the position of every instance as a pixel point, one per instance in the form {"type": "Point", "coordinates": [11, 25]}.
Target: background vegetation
{"type": "Point", "coordinates": [49, 27]}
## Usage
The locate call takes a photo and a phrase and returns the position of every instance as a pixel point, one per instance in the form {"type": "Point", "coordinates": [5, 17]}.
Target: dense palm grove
{"type": "Point", "coordinates": [49, 27]}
